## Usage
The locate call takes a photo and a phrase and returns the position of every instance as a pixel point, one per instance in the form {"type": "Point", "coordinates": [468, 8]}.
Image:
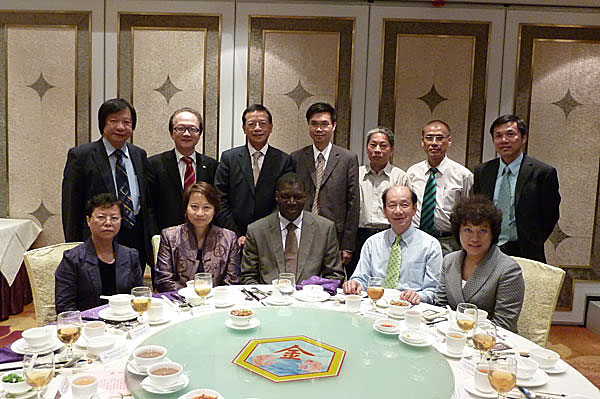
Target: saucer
{"type": "Point", "coordinates": [469, 386]}
{"type": "Point", "coordinates": [141, 370]}
{"type": "Point", "coordinates": [428, 341]}
{"type": "Point", "coordinates": [20, 346]}
{"type": "Point", "coordinates": [319, 297]}
{"type": "Point", "coordinates": [270, 301]}
{"type": "Point", "coordinates": [440, 347]}
{"type": "Point", "coordinates": [164, 320]}
{"type": "Point", "coordinates": [150, 387]}
{"type": "Point", "coordinates": [107, 314]}
{"type": "Point", "coordinates": [198, 392]}
{"type": "Point", "coordinates": [187, 291]}
{"type": "Point", "coordinates": [254, 322]}
{"type": "Point", "coordinates": [443, 328]}
{"type": "Point", "coordinates": [395, 316]}
{"type": "Point", "coordinates": [539, 378]}
{"type": "Point", "coordinates": [223, 304]}
{"type": "Point", "coordinates": [559, 367]}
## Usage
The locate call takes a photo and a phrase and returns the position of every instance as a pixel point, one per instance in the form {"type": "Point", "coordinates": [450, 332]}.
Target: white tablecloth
{"type": "Point", "coordinates": [16, 236]}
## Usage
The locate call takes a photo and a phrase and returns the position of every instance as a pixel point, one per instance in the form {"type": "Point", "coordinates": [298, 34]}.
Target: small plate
{"type": "Point", "coordinates": [428, 341]}
{"type": "Point", "coordinates": [254, 322]}
{"type": "Point", "coordinates": [187, 291]}
{"type": "Point", "coordinates": [559, 367]}
{"type": "Point", "coordinates": [164, 320]}
{"type": "Point", "coordinates": [133, 368]}
{"type": "Point", "coordinates": [20, 347]}
{"type": "Point", "coordinates": [184, 381]}
{"type": "Point", "coordinates": [198, 392]}
{"type": "Point", "coordinates": [443, 328]}
{"type": "Point", "coordinates": [394, 316]}
{"type": "Point", "coordinates": [469, 386]}
{"type": "Point", "coordinates": [107, 314]}
{"type": "Point", "coordinates": [539, 378]}
{"type": "Point", "coordinates": [395, 332]}
{"type": "Point", "coordinates": [269, 301]}
{"type": "Point", "coordinates": [223, 304]}
{"type": "Point", "coordinates": [320, 297]}
{"type": "Point", "coordinates": [467, 351]}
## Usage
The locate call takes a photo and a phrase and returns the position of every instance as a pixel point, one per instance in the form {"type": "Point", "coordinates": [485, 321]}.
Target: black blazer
{"type": "Point", "coordinates": [87, 173]}
{"type": "Point", "coordinates": [537, 201]}
{"type": "Point", "coordinates": [166, 191]}
{"type": "Point", "coordinates": [242, 202]}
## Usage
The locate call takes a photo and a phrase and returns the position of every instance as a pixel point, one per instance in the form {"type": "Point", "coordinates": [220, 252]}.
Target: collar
{"type": "Point", "coordinates": [390, 235]}
{"type": "Point", "coordinates": [179, 155]}
{"type": "Point", "coordinates": [283, 222]}
{"type": "Point", "coordinates": [252, 150]}
{"type": "Point", "coordinates": [110, 149]}
{"type": "Point", "coordinates": [325, 152]}
{"type": "Point", "coordinates": [442, 167]}
{"type": "Point", "coordinates": [514, 166]}
{"type": "Point", "coordinates": [387, 170]}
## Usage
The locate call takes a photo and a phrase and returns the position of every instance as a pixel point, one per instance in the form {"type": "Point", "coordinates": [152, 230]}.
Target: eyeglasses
{"type": "Point", "coordinates": [182, 129]}
{"type": "Point", "coordinates": [432, 139]}
{"type": "Point", "coordinates": [253, 124]}
{"type": "Point", "coordinates": [104, 218]}
{"type": "Point", "coordinates": [316, 125]}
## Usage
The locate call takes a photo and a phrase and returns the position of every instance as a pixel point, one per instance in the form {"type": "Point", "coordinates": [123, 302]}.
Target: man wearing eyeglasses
{"type": "Point", "coordinates": [172, 171]}
{"type": "Point", "coordinates": [439, 183]}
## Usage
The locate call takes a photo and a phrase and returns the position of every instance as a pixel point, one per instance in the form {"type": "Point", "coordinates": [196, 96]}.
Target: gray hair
{"type": "Point", "coordinates": [383, 130]}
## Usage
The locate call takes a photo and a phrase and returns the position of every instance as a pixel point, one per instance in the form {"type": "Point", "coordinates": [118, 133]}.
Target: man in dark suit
{"type": "Point", "coordinates": [331, 175]}
{"type": "Point", "coordinates": [523, 188]}
{"type": "Point", "coordinates": [110, 165]}
{"type": "Point", "coordinates": [171, 171]}
{"type": "Point", "coordinates": [247, 175]}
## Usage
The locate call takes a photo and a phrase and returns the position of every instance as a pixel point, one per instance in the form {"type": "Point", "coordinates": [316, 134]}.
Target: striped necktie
{"type": "Point", "coordinates": [124, 193]}
{"type": "Point", "coordinates": [392, 275]}
{"type": "Point", "coordinates": [189, 176]}
{"type": "Point", "coordinates": [428, 204]}
{"type": "Point", "coordinates": [319, 170]}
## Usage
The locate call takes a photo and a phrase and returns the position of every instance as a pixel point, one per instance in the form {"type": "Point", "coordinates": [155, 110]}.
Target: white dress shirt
{"type": "Point", "coordinates": [261, 160]}
{"type": "Point", "coordinates": [372, 185]}
{"type": "Point", "coordinates": [326, 151]}
{"type": "Point", "coordinates": [182, 165]}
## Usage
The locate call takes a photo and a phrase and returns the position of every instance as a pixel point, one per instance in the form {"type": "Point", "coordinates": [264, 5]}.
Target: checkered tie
{"type": "Point", "coordinates": [428, 204]}
{"type": "Point", "coordinates": [320, 169]}
{"type": "Point", "coordinates": [189, 177]}
{"type": "Point", "coordinates": [393, 271]}
{"type": "Point", "coordinates": [124, 193]}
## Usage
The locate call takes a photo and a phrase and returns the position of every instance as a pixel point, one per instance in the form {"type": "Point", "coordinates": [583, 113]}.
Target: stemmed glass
{"type": "Point", "coordinates": [142, 297]}
{"type": "Point", "coordinates": [202, 285]}
{"type": "Point", "coordinates": [375, 289]}
{"type": "Point", "coordinates": [38, 370]}
{"type": "Point", "coordinates": [287, 285]}
{"type": "Point", "coordinates": [503, 375]}
{"type": "Point", "coordinates": [484, 337]}
{"type": "Point", "coordinates": [69, 325]}
{"type": "Point", "coordinates": [466, 316]}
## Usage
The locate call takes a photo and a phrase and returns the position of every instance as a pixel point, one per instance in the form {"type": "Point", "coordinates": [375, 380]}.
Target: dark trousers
{"type": "Point", "coordinates": [511, 248]}
{"type": "Point", "coordinates": [134, 238]}
{"type": "Point", "coordinates": [361, 236]}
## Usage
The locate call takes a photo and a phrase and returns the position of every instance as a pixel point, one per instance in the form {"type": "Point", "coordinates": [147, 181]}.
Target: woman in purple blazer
{"type": "Point", "coordinates": [197, 245]}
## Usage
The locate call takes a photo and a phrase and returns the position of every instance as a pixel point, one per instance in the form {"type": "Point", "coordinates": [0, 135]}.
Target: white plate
{"type": "Point", "coordinates": [183, 382]}
{"type": "Point", "coordinates": [469, 386]}
{"type": "Point", "coordinates": [164, 320]}
{"type": "Point", "coordinates": [187, 291]}
{"type": "Point", "coordinates": [141, 370]}
{"type": "Point", "coordinates": [254, 322]}
{"type": "Point", "coordinates": [20, 347]}
{"type": "Point", "coordinates": [539, 378]}
{"type": "Point", "coordinates": [394, 316]}
{"type": "Point", "coordinates": [269, 301]}
{"type": "Point", "coordinates": [320, 297]}
{"type": "Point", "coordinates": [395, 332]}
{"type": "Point", "coordinates": [441, 347]}
{"type": "Point", "coordinates": [428, 341]}
{"type": "Point", "coordinates": [107, 314]}
{"type": "Point", "coordinates": [443, 328]}
{"type": "Point", "coordinates": [223, 304]}
{"type": "Point", "coordinates": [25, 395]}
{"type": "Point", "coordinates": [559, 367]}
{"type": "Point", "coordinates": [197, 392]}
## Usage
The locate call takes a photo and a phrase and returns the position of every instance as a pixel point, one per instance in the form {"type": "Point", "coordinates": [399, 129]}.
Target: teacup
{"type": "Point", "coordinates": [120, 304]}
{"type": "Point", "coordinates": [221, 295]}
{"type": "Point", "coordinates": [353, 303]}
{"type": "Point", "coordinates": [148, 355]}
{"type": "Point", "coordinates": [93, 329]}
{"type": "Point", "coordinates": [84, 386]}
{"type": "Point", "coordinates": [413, 319]}
{"type": "Point", "coordinates": [544, 357]}
{"type": "Point", "coordinates": [526, 368]}
{"type": "Point", "coordinates": [480, 378]}
{"type": "Point", "coordinates": [455, 342]}
{"type": "Point", "coordinates": [156, 310]}
{"type": "Point", "coordinates": [164, 373]}
{"type": "Point", "coordinates": [38, 336]}
{"type": "Point", "coordinates": [241, 317]}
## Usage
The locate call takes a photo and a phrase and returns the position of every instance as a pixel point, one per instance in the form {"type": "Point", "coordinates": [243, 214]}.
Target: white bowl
{"type": "Point", "coordinates": [387, 325]}
{"type": "Point", "coordinates": [158, 354]}
{"type": "Point", "coordinates": [14, 388]}
{"type": "Point", "coordinates": [97, 345]}
{"type": "Point", "coordinates": [241, 320]}
{"type": "Point", "coordinates": [37, 337]}
{"type": "Point", "coordinates": [414, 336]}
{"type": "Point", "coordinates": [83, 386]}
{"type": "Point", "coordinates": [399, 310]}
{"type": "Point", "coordinates": [526, 368]}
{"type": "Point", "coordinates": [164, 379]}
{"type": "Point", "coordinates": [120, 303]}
{"type": "Point", "coordinates": [544, 357]}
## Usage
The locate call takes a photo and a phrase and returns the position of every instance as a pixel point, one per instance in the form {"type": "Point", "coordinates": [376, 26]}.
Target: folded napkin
{"type": "Point", "coordinates": [328, 285]}
{"type": "Point", "coordinates": [7, 356]}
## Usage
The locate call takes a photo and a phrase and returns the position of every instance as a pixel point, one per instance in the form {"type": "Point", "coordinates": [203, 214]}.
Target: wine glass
{"type": "Point", "coordinates": [503, 374]}
{"type": "Point", "coordinates": [287, 285]}
{"type": "Point", "coordinates": [140, 302]}
{"type": "Point", "coordinates": [38, 370]}
{"type": "Point", "coordinates": [484, 337]}
{"type": "Point", "coordinates": [69, 325]}
{"type": "Point", "coordinates": [466, 316]}
{"type": "Point", "coordinates": [375, 289]}
{"type": "Point", "coordinates": [202, 285]}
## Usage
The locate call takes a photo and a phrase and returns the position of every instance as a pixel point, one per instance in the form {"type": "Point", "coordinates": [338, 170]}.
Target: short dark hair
{"type": "Point", "coordinates": [102, 200]}
{"type": "Point", "coordinates": [110, 107]}
{"type": "Point", "coordinates": [383, 130]}
{"type": "Point", "coordinates": [191, 111]}
{"type": "Point", "coordinates": [436, 121]}
{"type": "Point", "coordinates": [256, 108]}
{"type": "Point", "coordinates": [291, 178]}
{"type": "Point", "coordinates": [321, 107]}
{"type": "Point", "coordinates": [521, 125]}
{"type": "Point", "coordinates": [413, 196]}
{"type": "Point", "coordinates": [476, 209]}
{"type": "Point", "coordinates": [206, 189]}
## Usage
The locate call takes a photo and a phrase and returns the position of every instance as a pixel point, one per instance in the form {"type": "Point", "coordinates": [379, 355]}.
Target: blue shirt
{"type": "Point", "coordinates": [421, 261]}
{"type": "Point", "coordinates": [514, 166]}
{"type": "Point", "coordinates": [131, 176]}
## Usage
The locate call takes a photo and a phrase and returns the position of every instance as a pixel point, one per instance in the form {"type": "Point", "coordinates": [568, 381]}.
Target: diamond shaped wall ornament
{"type": "Point", "coordinates": [432, 98]}
{"type": "Point", "coordinates": [299, 94]}
{"type": "Point", "coordinates": [41, 86]}
{"type": "Point", "coordinates": [168, 89]}
{"type": "Point", "coordinates": [42, 214]}
{"type": "Point", "coordinates": [567, 103]}
{"type": "Point", "coordinates": [557, 236]}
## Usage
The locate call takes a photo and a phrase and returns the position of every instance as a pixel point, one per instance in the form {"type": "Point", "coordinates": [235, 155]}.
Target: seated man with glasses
{"type": "Point", "coordinates": [99, 266]}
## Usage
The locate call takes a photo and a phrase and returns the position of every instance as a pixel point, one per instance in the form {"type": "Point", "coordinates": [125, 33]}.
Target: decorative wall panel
{"type": "Point", "coordinates": [167, 62]}
{"type": "Point", "coordinates": [295, 62]}
{"type": "Point", "coordinates": [558, 91]}
{"type": "Point", "coordinates": [434, 70]}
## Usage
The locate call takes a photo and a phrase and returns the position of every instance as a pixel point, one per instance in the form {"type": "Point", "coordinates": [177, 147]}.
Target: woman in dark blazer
{"type": "Point", "coordinates": [99, 266]}
{"type": "Point", "coordinates": [197, 245]}
{"type": "Point", "coordinates": [480, 273]}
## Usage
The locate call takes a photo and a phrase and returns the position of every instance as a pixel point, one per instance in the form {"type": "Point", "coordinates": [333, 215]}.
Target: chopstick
{"type": "Point", "coordinates": [170, 303]}
{"type": "Point", "coordinates": [253, 295]}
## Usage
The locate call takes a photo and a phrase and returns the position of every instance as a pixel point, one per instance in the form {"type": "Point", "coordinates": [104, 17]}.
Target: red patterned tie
{"type": "Point", "coordinates": [190, 175]}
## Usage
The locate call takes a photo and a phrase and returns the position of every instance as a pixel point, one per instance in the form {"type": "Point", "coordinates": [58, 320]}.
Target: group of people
{"type": "Point", "coordinates": [259, 211]}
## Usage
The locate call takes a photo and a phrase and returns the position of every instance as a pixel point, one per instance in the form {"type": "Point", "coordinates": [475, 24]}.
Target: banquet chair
{"type": "Point", "coordinates": [542, 286]}
{"type": "Point", "coordinates": [41, 264]}
{"type": "Point", "coordinates": [155, 245]}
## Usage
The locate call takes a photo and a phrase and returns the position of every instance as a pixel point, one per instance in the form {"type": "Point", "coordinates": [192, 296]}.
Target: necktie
{"type": "Point", "coordinates": [290, 253]}
{"type": "Point", "coordinates": [319, 169]}
{"type": "Point", "coordinates": [189, 177]}
{"type": "Point", "coordinates": [255, 165]}
{"type": "Point", "coordinates": [123, 191]}
{"type": "Point", "coordinates": [393, 271]}
{"type": "Point", "coordinates": [428, 204]}
{"type": "Point", "coordinates": [505, 204]}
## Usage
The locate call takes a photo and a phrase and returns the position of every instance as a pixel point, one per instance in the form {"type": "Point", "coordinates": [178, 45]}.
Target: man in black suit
{"type": "Point", "coordinates": [171, 171]}
{"type": "Point", "coordinates": [110, 165]}
{"type": "Point", "coordinates": [525, 189]}
{"type": "Point", "coordinates": [247, 175]}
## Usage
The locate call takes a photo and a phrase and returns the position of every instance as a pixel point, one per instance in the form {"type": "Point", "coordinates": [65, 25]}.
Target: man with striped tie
{"type": "Point", "coordinates": [439, 183]}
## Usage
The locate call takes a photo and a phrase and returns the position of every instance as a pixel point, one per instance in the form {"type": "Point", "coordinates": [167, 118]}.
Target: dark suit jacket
{"type": "Point", "coordinates": [339, 196]}
{"type": "Point", "coordinates": [177, 254]}
{"type": "Point", "coordinates": [496, 286]}
{"type": "Point", "coordinates": [243, 203]}
{"type": "Point", "coordinates": [537, 201]}
{"type": "Point", "coordinates": [165, 186]}
{"type": "Point", "coordinates": [77, 281]}
{"type": "Point", "coordinates": [87, 173]}
{"type": "Point", "coordinates": [318, 251]}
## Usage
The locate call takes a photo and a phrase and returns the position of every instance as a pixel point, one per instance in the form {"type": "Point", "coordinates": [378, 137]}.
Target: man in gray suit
{"type": "Point", "coordinates": [331, 175]}
{"type": "Point", "coordinates": [291, 240]}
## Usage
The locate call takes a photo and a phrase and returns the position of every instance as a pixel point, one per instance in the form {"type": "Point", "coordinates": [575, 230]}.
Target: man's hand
{"type": "Point", "coordinates": [411, 296]}
{"type": "Point", "coordinates": [241, 240]}
{"type": "Point", "coordinates": [346, 256]}
{"type": "Point", "coordinates": [352, 287]}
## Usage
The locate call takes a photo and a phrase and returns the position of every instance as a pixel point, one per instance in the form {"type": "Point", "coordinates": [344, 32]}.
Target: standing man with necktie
{"type": "Point", "coordinates": [331, 174]}
{"type": "Point", "coordinates": [440, 183]}
{"type": "Point", "coordinates": [172, 171]}
{"type": "Point", "coordinates": [523, 188]}
{"type": "Point", "coordinates": [110, 165]}
{"type": "Point", "coordinates": [406, 258]}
